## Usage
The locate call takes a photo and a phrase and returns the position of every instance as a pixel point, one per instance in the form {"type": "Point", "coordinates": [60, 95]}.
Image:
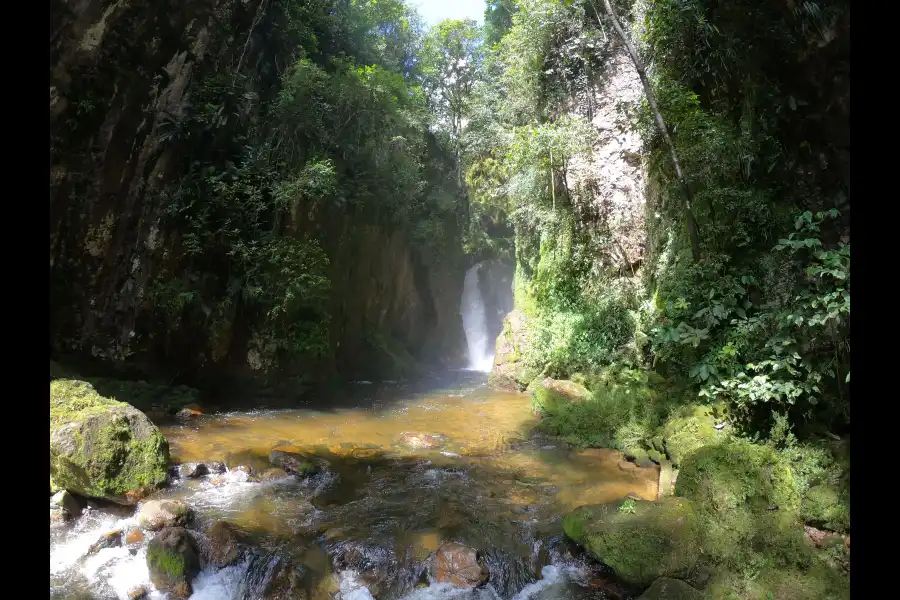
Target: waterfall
{"type": "Point", "coordinates": [481, 356]}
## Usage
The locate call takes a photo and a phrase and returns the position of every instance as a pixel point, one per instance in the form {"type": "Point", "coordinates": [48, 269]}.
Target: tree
{"type": "Point", "coordinates": [661, 123]}
{"type": "Point", "coordinates": [449, 59]}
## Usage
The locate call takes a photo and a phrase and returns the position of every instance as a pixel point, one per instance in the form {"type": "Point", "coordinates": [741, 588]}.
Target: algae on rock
{"type": "Point", "coordinates": [656, 539]}
{"type": "Point", "coordinates": [102, 448]}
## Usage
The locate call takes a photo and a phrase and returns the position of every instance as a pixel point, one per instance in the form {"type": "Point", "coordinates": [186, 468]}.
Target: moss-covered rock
{"type": "Point", "coordinates": [548, 394]}
{"type": "Point", "coordinates": [173, 561]}
{"type": "Point", "coordinates": [767, 582]}
{"type": "Point", "coordinates": [666, 588]}
{"type": "Point", "coordinates": [687, 429]}
{"type": "Point", "coordinates": [101, 448]}
{"type": "Point", "coordinates": [641, 541]}
{"type": "Point", "coordinates": [826, 506]}
{"type": "Point", "coordinates": [745, 494]}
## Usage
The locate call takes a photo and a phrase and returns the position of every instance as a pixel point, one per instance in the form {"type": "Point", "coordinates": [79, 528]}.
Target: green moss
{"type": "Point", "coordinates": [657, 539]}
{"type": "Point", "coordinates": [747, 499]}
{"type": "Point", "coordinates": [689, 428]}
{"type": "Point", "coordinates": [761, 580]}
{"type": "Point", "coordinates": [106, 449]}
{"type": "Point", "coordinates": [666, 588]}
{"type": "Point", "coordinates": [550, 395]}
{"type": "Point", "coordinates": [826, 506]}
{"type": "Point", "coordinates": [170, 563]}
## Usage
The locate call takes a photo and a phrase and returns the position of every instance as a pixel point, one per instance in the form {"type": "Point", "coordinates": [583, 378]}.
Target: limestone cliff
{"type": "Point", "coordinates": [123, 75]}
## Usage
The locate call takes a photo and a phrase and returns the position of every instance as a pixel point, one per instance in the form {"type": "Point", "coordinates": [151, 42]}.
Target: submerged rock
{"type": "Point", "coordinates": [415, 440]}
{"type": "Point", "coordinates": [549, 394]}
{"type": "Point", "coordinates": [293, 460]}
{"type": "Point", "coordinates": [665, 588]}
{"type": "Point", "coordinates": [173, 561]}
{"type": "Point", "coordinates": [640, 540]}
{"type": "Point", "coordinates": [157, 514]}
{"type": "Point", "coordinates": [101, 448]}
{"type": "Point", "coordinates": [457, 564]}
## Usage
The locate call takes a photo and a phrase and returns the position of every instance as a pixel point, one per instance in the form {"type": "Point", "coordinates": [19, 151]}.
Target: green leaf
{"type": "Point", "coordinates": [847, 379]}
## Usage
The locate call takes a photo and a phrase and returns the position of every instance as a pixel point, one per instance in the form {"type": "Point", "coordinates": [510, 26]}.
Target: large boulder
{"type": "Point", "coordinates": [173, 561]}
{"type": "Point", "coordinates": [510, 371]}
{"type": "Point", "coordinates": [458, 565]}
{"type": "Point", "coordinates": [158, 514]}
{"type": "Point", "coordinates": [745, 495]}
{"type": "Point", "coordinates": [548, 394]}
{"type": "Point", "coordinates": [101, 448]}
{"type": "Point", "coordinates": [640, 540]}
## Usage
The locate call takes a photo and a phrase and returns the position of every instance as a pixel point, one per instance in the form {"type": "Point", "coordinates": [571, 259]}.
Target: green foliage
{"type": "Point", "coordinates": [623, 410]}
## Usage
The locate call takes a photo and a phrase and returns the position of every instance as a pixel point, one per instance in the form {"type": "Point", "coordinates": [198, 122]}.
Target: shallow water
{"type": "Point", "coordinates": [406, 466]}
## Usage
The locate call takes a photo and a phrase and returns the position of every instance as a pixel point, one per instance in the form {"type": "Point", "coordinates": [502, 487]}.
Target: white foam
{"type": "Point", "coordinates": [222, 584]}
{"type": "Point", "coordinates": [351, 588]}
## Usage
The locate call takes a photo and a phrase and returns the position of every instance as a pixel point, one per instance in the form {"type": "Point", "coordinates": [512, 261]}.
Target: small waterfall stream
{"type": "Point", "coordinates": [481, 357]}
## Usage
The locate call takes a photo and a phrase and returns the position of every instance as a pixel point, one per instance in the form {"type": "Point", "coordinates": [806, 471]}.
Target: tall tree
{"type": "Point", "coordinates": [449, 59]}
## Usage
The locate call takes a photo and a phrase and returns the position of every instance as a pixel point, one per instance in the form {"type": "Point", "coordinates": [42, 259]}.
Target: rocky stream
{"type": "Point", "coordinates": [430, 489]}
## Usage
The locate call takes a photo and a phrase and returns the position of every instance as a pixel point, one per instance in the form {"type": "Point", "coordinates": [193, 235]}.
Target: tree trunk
{"type": "Point", "coordinates": [693, 231]}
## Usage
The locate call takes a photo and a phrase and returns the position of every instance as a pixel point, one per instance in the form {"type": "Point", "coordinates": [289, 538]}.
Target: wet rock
{"type": "Point", "coordinates": [112, 539]}
{"type": "Point", "coordinates": [138, 593]}
{"type": "Point", "coordinates": [193, 470]}
{"type": "Point", "coordinates": [190, 411]}
{"type": "Point", "coordinates": [59, 515]}
{"type": "Point", "coordinates": [549, 394]}
{"type": "Point", "coordinates": [134, 536]}
{"type": "Point", "coordinates": [72, 504]}
{"type": "Point", "coordinates": [416, 440]}
{"type": "Point", "coordinates": [642, 542]}
{"type": "Point", "coordinates": [173, 561]}
{"type": "Point", "coordinates": [225, 544]}
{"type": "Point", "coordinates": [458, 565]}
{"type": "Point", "coordinates": [157, 514]}
{"type": "Point", "coordinates": [665, 588]}
{"type": "Point", "coordinates": [423, 544]}
{"type": "Point", "coordinates": [102, 448]}
{"type": "Point", "coordinates": [271, 474]}
{"type": "Point", "coordinates": [293, 460]}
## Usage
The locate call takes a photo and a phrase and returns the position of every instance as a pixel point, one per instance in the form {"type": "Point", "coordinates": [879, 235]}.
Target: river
{"type": "Point", "coordinates": [407, 466]}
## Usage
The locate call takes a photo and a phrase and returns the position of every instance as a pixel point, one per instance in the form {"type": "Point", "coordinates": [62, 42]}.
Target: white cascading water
{"type": "Point", "coordinates": [474, 323]}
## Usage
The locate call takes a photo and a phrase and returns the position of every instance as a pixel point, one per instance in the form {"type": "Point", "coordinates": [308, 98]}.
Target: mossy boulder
{"type": "Point", "coordinates": [689, 428]}
{"type": "Point", "coordinates": [102, 448]}
{"type": "Point", "coordinates": [666, 588]}
{"type": "Point", "coordinates": [768, 582]}
{"type": "Point", "coordinates": [640, 540]}
{"type": "Point", "coordinates": [548, 394]}
{"type": "Point", "coordinates": [826, 506]}
{"type": "Point", "coordinates": [173, 561]}
{"type": "Point", "coordinates": [745, 494]}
